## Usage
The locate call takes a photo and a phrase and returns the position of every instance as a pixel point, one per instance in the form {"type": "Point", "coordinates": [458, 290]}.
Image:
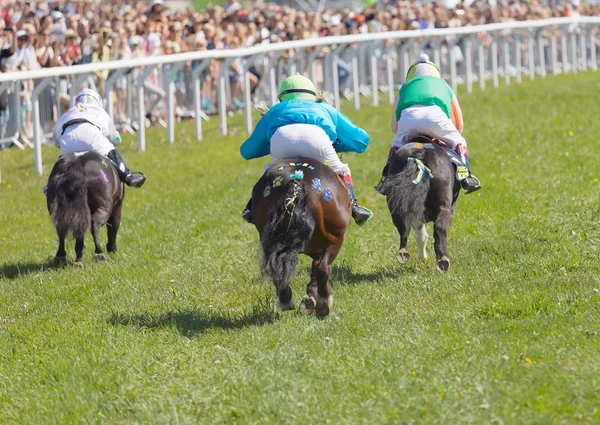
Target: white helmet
{"type": "Point", "coordinates": [88, 97]}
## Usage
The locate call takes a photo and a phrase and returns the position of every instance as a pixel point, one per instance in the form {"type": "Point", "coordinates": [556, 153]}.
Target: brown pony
{"type": "Point", "coordinates": [300, 206]}
{"type": "Point", "coordinates": [84, 191]}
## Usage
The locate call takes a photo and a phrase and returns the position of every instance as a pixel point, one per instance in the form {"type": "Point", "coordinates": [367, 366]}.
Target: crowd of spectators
{"type": "Point", "coordinates": [67, 32]}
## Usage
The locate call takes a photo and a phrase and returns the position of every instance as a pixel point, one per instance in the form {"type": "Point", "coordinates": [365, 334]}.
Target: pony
{"type": "Point", "coordinates": [300, 206]}
{"type": "Point", "coordinates": [421, 187]}
{"type": "Point", "coordinates": [84, 191]}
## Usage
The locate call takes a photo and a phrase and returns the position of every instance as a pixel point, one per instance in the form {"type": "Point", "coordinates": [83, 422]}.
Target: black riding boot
{"type": "Point", "coordinates": [134, 179]}
{"type": "Point", "coordinates": [246, 214]}
{"type": "Point", "coordinates": [470, 183]}
{"type": "Point", "coordinates": [360, 214]}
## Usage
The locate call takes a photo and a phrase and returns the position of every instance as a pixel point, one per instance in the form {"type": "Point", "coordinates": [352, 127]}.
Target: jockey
{"type": "Point", "coordinates": [302, 125]}
{"type": "Point", "coordinates": [87, 127]}
{"type": "Point", "coordinates": [427, 105]}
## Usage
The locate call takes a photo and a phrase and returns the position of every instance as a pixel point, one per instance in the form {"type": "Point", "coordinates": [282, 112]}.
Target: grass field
{"type": "Point", "coordinates": [177, 328]}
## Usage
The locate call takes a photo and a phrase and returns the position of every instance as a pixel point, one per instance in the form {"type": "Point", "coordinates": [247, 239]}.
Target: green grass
{"type": "Point", "coordinates": [177, 328]}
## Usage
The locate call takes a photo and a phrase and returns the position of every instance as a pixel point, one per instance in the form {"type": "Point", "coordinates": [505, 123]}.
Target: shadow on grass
{"type": "Point", "coordinates": [191, 323]}
{"type": "Point", "coordinates": [14, 270]}
{"type": "Point", "coordinates": [342, 274]}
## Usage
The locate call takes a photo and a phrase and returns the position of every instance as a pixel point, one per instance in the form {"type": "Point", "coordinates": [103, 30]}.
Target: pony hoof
{"type": "Point", "coordinates": [78, 264]}
{"type": "Point", "coordinates": [307, 306]}
{"type": "Point", "coordinates": [60, 261]}
{"type": "Point", "coordinates": [403, 256]}
{"type": "Point", "coordinates": [323, 306]}
{"type": "Point", "coordinates": [444, 264]}
{"type": "Point", "coordinates": [285, 306]}
{"type": "Point", "coordinates": [99, 257]}
{"type": "Point", "coordinates": [111, 249]}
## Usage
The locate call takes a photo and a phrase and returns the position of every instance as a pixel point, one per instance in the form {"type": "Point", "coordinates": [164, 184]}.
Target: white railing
{"type": "Point", "coordinates": [371, 63]}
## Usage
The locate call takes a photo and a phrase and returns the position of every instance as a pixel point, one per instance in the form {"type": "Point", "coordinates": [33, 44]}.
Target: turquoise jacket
{"type": "Point", "coordinates": [344, 135]}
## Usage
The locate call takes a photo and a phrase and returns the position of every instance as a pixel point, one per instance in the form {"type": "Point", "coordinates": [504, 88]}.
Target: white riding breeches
{"type": "Point", "coordinates": [84, 137]}
{"type": "Point", "coordinates": [308, 141]}
{"type": "Point", "coordinates": [429, 121]}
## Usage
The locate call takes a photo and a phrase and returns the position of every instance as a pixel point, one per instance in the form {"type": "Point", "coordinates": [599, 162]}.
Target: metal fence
{"type": "Point", "coordinates": [202, 85]}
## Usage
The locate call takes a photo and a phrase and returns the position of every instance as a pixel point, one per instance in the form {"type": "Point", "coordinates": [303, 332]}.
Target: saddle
{"type": "Point", "coordinates": [423, 142]}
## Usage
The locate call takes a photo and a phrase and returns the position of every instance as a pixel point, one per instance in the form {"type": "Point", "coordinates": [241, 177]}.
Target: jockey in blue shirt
{"type": "Point", "coordinates": [303, 126]}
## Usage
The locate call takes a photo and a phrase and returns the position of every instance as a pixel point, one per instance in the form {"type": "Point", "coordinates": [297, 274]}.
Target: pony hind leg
{"type": "Point", "coordinates": [113, 224]}
{"type": "Point", "coordinates": [79, 251]}
{"type": "Point", "coordinates": [98, 219]}
{"type": "Point", "coordinates": [421, 237]}
{"type": "Point", "coordinates": [61, 254]}
{"type": "Point", "coordinates": [404, 230]}
{"type": "Point", "coordinates": [324, 290]}
{"type": "Point", "coordinates": [441, 226]}
{"type": "Point", "coordinates": [309, 302]}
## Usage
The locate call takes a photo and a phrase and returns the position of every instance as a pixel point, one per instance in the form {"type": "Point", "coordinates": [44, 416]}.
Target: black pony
{"type": "Point", "coordinates": [84, 190]}
{"type": "Point", "coordinates": [421, 187]}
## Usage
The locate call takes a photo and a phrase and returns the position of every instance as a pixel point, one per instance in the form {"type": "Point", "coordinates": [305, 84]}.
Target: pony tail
{"type": "Point", "coordinates": [286, 234]}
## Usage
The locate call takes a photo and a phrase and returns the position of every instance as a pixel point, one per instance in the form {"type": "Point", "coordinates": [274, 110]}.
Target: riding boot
{"type": "Point", "coordinates": [379, 187]}
{"type": "Point", "coordinates": [360, 214]}
{"type": "Point", "coordinates": [247, 214]}
{"type": "Point", "coordinates": [470, 183]}
{"type": "Point", "coordinates": [134, 179]}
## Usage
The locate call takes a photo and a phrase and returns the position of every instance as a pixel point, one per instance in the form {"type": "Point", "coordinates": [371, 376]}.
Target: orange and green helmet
{"type": "Point", "coordinates": [423, 67]}
{"type": "Point", "coordinates": [297, 87]}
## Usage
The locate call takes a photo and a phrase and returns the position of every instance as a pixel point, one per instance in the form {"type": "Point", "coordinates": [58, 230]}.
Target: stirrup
{"type": "Point", "coordinates": [471, 188]}
{"type": "Point", "coordinates": [361, 215]}
{"type": "Point", "coordinates": [135, 175]}
{"type": "Point", "coordinates": [247, 215]}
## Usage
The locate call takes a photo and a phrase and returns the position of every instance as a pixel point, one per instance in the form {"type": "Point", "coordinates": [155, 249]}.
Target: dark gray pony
{"type": "Point", "coordinates": [421, 187]}
{"type": "Point", "coordinates": [84, 190]}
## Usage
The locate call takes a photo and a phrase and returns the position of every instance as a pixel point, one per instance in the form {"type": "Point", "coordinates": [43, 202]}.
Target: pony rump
{"type": "Point", "coordinates": [68, 198]}
{"type": "Point", "coordinates": [405, 198]}
{"type": "Point", "coordinates": [286, 234]}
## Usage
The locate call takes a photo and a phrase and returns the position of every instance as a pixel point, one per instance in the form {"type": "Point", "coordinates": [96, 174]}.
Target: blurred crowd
{"type": "Point", "coordinates": [66, 32]}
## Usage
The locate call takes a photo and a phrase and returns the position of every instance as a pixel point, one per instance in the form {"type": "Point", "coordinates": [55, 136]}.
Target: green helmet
{"type": "Point", "coordinates": [297, 87]}
{"type": "Point", "coordinates": [423, 67]}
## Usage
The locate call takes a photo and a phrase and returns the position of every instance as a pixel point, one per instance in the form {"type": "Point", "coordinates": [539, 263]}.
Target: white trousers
{"type": "Point", "coordinates": [84, 137]}
{"type": "Point", "coordinates": [429, 121]}
{"type": "Point", "coordinates": [309, 141]}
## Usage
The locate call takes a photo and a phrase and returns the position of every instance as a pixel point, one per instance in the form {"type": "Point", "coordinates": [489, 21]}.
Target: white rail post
{"type": "Point", "coordinates": [531, 55]}
{"type": "Point", "coordinates": [593, 62]}
{"type": "Point", "coordinates": [574, 61]}
{"type": "Point", "coordinates": [405, 59]}
{"type": "Point", "coordinates": [37, 128]}
{"type": "Point", "coordinates": [312, 61]}
{"type": "Point", "coordinates": [389, 67]}
{"type": "Point", "coordinates": [541, 53]}
{"type": "Point", "coordinates": [335, 75]}
{"type": "Point", "coordinates": [506, 51]}
{"type": "Point", "coordinates": [493, 51]}
{"type": "Point", "coordinates": [141, 107]}
{"type": "Point", "coordinates": [482, 64]}
{"type": "Point", "coordinates": [564, 53]}
{"type": "Point", "coordinates": [170, 89]}
{"type": "Point", "coordinates": [453, 76]}
{"type": "Point", "coordinates": [583, 48]}
{"type": "Point", "coordinates": [554, 50]}
{"type": "Point", "coordinates": [247, 95]}
{"type": "Point", "coordinates": [374, 75]}
{"type": "Point", "coordinates": [199, 115]}
{"type": "Point", "coordinates": [518, 60]}
{"type": "Point", "coordinates": [223, 74]}
{"type": "Point", "coordinates": [355, 78]}
{"type": "Point", "coordinates": [110, 83]}
{"type": "Point", "coordinates": [273, 65]}
{"type": "Point", "coordinates": [469, 62]}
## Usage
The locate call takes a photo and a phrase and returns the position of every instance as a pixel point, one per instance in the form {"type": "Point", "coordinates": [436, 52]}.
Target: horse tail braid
{"type": "Point", "coordinates": [407, 190]}
{"type": "Point", "coordinates": [289, 227]}
{"type": "Point", "coordinates": [67, 198]}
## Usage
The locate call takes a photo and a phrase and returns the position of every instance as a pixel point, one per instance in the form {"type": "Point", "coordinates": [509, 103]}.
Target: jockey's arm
{"type": "Point", "coordinates": [456, 114]}
{"type": "Point", "coordinates": [257, 144]}
{"type": "Point", "coordinates": [350, 137]}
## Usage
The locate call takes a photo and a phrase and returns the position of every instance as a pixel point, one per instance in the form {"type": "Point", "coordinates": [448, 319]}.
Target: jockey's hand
{"type": "Point", "coordinates": [462, 150]}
